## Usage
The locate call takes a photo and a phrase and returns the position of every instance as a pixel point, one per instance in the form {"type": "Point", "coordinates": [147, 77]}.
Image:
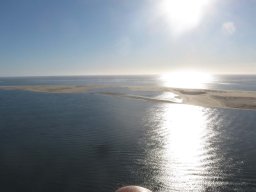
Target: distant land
{"type": "Point", "coordinates": [199, 97]}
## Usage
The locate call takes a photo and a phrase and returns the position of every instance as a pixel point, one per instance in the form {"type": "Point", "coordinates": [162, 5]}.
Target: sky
{"type": "Point", "coordinates": [106, 37]}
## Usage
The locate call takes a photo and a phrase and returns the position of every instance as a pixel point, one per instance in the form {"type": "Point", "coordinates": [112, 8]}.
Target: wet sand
{"type": "Point", "coordinates": [223, 99]}
{"type": "Point", "coordinates": [213, 98]}
{"type": "Point", "coordinates": [199, 97]}
{"type": "Point", "coordinates": [52, 88]}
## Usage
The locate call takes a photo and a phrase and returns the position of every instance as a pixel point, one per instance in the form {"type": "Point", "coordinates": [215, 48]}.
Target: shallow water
{"type": "Point", "coordinates": [89, 142]}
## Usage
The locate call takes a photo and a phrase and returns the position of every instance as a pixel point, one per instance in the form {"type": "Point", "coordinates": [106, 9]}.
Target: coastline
{"type": "Point", "coordinates": [52, 88]}
{"type": "Point", "coordinates": [198, 97]}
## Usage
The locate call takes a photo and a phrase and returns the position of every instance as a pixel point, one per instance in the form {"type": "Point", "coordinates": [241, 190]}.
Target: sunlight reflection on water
{"type": "Point", "coordinates": [187, 79]}
{"type": "Point", "coordinates": [184, 153]}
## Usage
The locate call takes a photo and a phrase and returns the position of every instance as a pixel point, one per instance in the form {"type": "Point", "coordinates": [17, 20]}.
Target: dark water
{"type": "Point", "coordinates": [89, 142]}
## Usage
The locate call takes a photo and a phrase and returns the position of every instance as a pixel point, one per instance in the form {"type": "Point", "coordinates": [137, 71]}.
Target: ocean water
{"type": "Point", "coordinates": [91, 142]}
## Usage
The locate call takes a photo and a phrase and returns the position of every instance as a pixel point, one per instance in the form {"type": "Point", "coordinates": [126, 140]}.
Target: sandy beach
{"type": "Point", "coordinates": [198, 97]}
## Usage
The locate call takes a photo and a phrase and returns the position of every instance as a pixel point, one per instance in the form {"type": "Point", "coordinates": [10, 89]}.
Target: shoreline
{"type": "Point", "coordinates": [199, 97]}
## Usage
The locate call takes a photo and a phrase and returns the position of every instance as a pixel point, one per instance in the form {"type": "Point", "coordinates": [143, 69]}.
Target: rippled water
{"type": "Point", "coordinates": [202, 149]}
{"type": "Point", "coordinates": [89, 142]}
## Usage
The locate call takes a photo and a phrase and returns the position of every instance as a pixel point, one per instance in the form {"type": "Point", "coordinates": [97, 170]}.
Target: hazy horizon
{"type": "Point", "coordinates": [106, 75]}
{"type": "Point", "coordinates": [83, 37]}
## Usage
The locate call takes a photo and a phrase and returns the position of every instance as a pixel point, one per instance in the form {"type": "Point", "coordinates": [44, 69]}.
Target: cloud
{"type": "Point", "coordinates": [229, 28]}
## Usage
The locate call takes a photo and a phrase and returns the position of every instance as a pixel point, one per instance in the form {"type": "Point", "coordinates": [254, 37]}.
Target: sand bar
{"type": "Point", "coordinates": [53, 88]}
{"type": "Point", "coordinates": [199, 97]}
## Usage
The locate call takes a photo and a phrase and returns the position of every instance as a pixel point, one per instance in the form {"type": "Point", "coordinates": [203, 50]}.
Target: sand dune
{"type": "Point", "coordinates": [199, 97]}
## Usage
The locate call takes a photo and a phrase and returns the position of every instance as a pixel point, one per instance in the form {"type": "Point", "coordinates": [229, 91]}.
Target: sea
{"type": "Point", "coordinates": [90, 142]}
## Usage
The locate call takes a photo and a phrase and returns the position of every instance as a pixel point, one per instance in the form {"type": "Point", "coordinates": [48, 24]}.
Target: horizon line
{"type": "Point", "coordinates": [108, 75]}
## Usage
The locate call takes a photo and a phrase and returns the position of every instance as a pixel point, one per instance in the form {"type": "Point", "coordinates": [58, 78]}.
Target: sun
{"type": "Point", "coordinates": [183, 15]}
{"type": "Point", "coordinates": [186, 79]}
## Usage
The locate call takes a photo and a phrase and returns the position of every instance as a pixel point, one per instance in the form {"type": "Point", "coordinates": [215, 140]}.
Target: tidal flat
{"type": "Point", "coordinates": [199, 97]}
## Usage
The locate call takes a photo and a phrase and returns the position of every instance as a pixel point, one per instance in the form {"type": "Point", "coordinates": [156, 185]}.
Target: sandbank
{"type": "Point", "coordinates": [199, 97]}
{"type": "Point", "coordinates": [212, 98]}
{"type": "Point", "coordinates": [52, 88]}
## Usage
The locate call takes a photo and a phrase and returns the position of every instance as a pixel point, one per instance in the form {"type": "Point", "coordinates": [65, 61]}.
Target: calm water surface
{"type": "Point", "coordinates": [90, 142]}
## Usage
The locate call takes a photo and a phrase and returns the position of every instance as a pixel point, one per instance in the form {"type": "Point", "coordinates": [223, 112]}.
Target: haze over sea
{"type": "Point", "coordinates": [92, 142]}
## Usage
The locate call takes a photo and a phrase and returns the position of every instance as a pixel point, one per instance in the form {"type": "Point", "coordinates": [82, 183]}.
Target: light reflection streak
{"type": "Point", "coordinates": [183, 133]}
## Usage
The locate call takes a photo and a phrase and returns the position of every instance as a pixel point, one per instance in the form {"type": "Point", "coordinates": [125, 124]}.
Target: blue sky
{"type": "Point", "coordinates": [90, 37]}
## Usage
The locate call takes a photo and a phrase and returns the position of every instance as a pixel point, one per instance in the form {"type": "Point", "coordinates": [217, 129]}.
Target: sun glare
{"type": "Point", "coordinates": [182, 131]}
{"type": "Point", "coordinates": [183, 15]}
{"type": "Point", "coordinates": [186, 79]}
